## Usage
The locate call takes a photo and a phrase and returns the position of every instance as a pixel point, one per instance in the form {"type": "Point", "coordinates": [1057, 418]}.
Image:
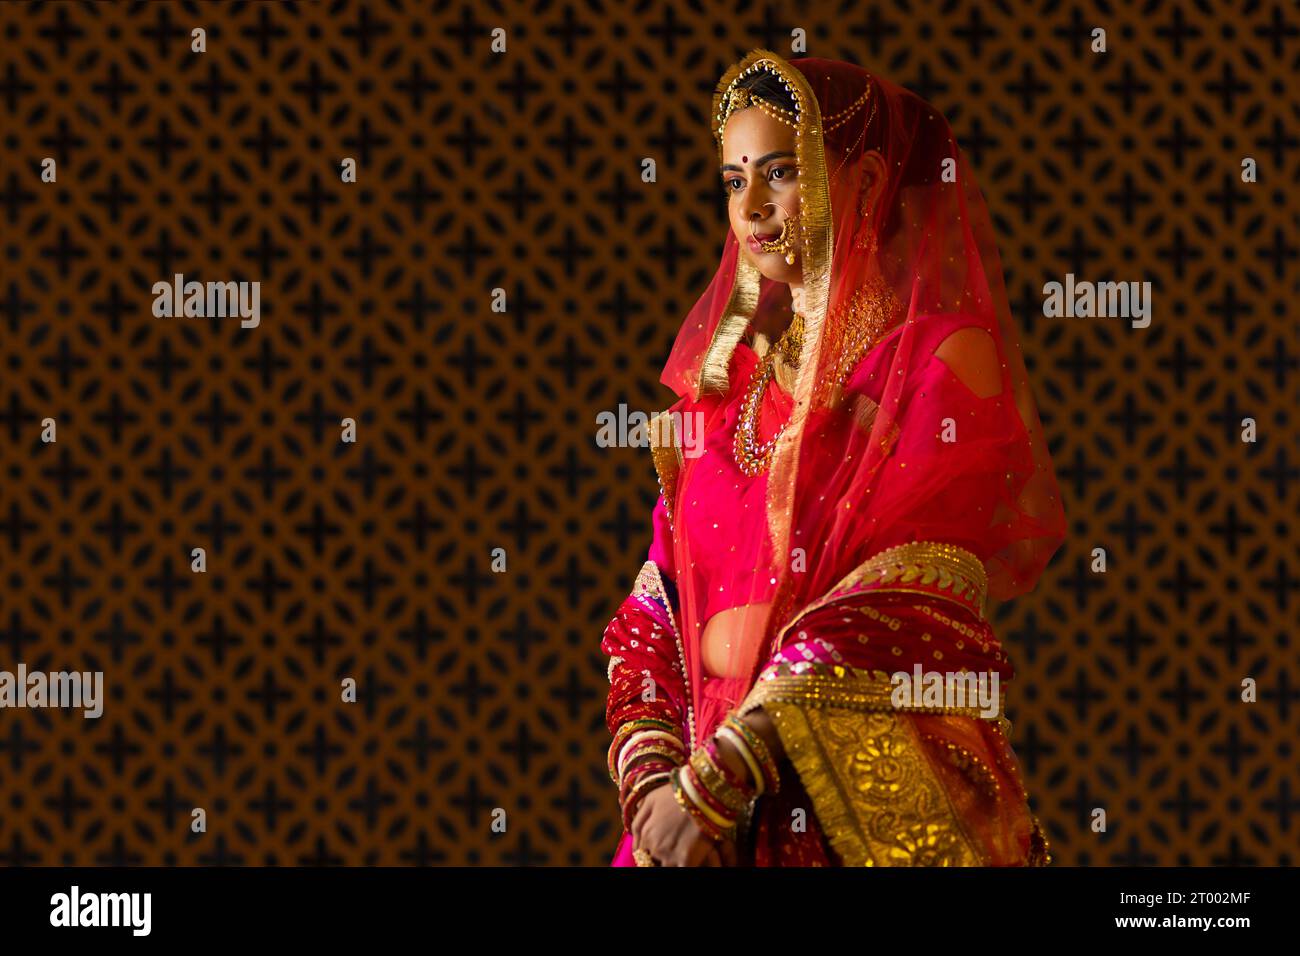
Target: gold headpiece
{"type": "Point", "coordinates": [736, 97]}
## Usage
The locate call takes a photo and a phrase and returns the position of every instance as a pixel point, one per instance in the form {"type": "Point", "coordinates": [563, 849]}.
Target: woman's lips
{"type": "Point", "coordinates": [753, 241]}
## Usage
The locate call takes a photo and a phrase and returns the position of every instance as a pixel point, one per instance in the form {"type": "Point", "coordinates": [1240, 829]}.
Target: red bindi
{"type": "Point", "coordinates": [744, 159]}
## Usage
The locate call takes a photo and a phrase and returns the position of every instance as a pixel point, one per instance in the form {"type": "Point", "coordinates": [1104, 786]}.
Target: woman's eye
{"type": "Point", "coordinates": [726, 184]}
{"type": "Point", "coordinates": [784, 170]}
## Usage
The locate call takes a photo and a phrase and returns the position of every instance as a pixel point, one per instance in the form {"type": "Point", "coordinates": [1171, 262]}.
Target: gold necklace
{"type": "Point", "coordinates": [751, 456]}
{"type": "Point", "coordinates": [855, 328]}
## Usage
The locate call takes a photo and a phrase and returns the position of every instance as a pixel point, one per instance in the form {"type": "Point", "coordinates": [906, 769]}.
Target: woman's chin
{"type": "Point", "coordinates": [774, 267]}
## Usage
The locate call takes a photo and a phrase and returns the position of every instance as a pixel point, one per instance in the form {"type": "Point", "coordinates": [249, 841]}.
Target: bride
{"type": "Point", "coordinates": [872, 473]}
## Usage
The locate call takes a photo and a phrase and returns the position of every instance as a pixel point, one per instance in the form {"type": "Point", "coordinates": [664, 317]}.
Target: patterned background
{"type": "Point", "coordinates": [476, 429]}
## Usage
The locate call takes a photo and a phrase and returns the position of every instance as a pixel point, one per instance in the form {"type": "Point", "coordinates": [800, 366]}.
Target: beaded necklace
{"type": "Point", "coordinates": [751, 456]}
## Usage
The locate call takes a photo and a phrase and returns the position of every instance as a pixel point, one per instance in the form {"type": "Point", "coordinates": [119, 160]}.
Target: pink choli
{"type": "Point", "coordinates": [720, 499]}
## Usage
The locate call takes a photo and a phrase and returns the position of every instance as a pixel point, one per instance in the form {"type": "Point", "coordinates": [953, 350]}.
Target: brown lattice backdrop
{"type": "Point", "coordinates": [476, 429]}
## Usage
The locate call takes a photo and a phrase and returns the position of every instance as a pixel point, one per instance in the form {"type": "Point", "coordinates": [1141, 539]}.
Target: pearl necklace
{"type": "Point", "coordinates": [751, 456]}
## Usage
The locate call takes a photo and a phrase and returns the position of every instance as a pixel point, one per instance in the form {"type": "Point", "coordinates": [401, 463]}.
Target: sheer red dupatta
{"type": "Point", "coordinates": [887, 445]}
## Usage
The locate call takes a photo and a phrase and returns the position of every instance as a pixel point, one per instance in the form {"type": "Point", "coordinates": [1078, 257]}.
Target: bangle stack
{"type": "Point", "coordinates": [707, 789]}
{"type": "Point", "coordinates": [640, 757]}
{"type": "Point", "coordinates": [754, 752]}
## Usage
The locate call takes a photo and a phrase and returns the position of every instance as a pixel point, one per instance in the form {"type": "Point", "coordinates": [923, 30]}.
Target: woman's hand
{"type": "Point", "coordinates": [671, 834]}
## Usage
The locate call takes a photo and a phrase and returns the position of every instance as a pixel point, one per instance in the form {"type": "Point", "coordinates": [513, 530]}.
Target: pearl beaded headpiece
{"type": "Point", "coordinates": [737, 97]}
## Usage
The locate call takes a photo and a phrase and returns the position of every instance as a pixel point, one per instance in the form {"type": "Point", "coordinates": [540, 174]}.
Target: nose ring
{"type": "Point", "coordinates": [784, 243]}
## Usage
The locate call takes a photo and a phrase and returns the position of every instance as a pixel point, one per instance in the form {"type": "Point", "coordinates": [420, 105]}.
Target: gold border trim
{"type": "Point", "coordinates": [666, 456]}
{"type": "Point", "coordinates": [715, 370]}
{"type": "Point", "coordinates": [847, 688]}
{"type": "Point", "coordinates": [936, 563]}
{"type": "Point", "coordinates": [816, 256]}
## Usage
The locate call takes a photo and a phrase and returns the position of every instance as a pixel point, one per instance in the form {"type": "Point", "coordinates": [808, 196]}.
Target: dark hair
{"type": "Point", "coordinates": [768, 86]}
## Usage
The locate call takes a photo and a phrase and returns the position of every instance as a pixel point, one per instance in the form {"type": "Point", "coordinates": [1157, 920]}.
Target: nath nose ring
{"type": "Point", "coordinates": [784, 243]}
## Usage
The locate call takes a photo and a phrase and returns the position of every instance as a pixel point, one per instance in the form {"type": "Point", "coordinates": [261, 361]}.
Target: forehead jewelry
{"type": "Point", "coordinates": [739, 97]}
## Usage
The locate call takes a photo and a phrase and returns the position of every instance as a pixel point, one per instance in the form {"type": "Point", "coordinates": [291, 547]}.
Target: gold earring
{"type": "Point", "coordinates": [866, 235]}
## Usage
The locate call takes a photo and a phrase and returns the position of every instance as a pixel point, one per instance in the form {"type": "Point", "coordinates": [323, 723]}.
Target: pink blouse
{"type": "Point", "coordinates": [720, 499]}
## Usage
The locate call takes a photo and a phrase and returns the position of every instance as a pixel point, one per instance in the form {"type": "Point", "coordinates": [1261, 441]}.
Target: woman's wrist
{"type": "Point", "coordinates": [760, 760]}
{"type": "Point", "coordinates": [730, 755]}
{"type": "Point", "coordinates": [760, 722]}
{"type": "Point", "coordinates": [643, 758]}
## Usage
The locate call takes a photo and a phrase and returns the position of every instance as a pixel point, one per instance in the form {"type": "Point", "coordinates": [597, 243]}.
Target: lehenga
{"type": "Point", "coordinates": [897, 502]}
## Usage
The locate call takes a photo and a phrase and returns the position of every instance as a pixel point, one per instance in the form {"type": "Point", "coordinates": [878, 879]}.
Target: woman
{"type": "Point", "coordinates": [872, 470]}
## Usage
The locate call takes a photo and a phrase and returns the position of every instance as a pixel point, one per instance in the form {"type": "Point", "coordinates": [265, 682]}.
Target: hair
{"type": "Point", "coordinates": [768, 86]}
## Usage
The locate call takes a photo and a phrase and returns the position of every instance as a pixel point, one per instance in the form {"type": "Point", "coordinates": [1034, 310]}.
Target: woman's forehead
{"type": "Point", "coordinates": [750, 134]}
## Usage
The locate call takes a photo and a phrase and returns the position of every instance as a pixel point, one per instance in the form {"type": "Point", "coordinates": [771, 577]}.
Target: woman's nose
{"type": "Point", "coordinates": [758, 205]}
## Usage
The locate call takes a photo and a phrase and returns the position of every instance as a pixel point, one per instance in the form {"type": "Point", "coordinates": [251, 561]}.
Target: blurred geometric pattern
{"type": "Point", "coordinates": [519, 171]}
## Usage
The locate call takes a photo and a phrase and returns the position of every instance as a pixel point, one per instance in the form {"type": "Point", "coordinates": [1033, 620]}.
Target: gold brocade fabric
{"type": "Point", "coordinates": [927, 567]}
{"type": "Point", "coordinates": [901, 786]}
{"type": "Point", "coordinates": [818, 684]}
{"type": "Point", "coordinates": [899, 783]}
{"type": "Point", "coordinates": [875, 794]}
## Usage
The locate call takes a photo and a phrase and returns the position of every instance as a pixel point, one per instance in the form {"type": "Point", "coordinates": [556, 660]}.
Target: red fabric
{"type": "Point", "coordinates": [721, 501]}
{"type": "Point", "coordinates": [641, 636]}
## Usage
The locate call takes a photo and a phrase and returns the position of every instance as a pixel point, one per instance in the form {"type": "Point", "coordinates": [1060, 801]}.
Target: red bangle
{"type": "Point", "coordinates": [707, 826]}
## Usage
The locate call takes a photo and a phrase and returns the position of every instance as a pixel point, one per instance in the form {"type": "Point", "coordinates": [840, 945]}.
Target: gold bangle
{"type": "Point", "coordinates": [653, 749]}
{"type": "Point", "coordinates": [642, 784]}
{"type": "Point", "coordinates": [627, 733]}
{"type": "Point", "coordinates": [742, 747]}
{"type": "Point", "coordinates": [626, 751]}
{"type": "Point", "coordinates": [712, 780]}
{"type": "Point", "coordinates": [757, 747]}
{"type": "Point", "coordinates": [687, 790]}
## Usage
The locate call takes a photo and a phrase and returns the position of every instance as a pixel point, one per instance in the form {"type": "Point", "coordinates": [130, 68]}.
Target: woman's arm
{"type": "Point", "coordinates": [647, 710]}
{"type": "Point", "coordinates": [642, 642]}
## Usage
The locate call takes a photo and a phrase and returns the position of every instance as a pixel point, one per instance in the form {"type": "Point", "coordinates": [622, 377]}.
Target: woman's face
{"type": "Point", "coordinates": [760, 179]}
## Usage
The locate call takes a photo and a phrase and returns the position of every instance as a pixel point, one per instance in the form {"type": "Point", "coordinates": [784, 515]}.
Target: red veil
{"type": "Point", "coordinates": [884, 443]}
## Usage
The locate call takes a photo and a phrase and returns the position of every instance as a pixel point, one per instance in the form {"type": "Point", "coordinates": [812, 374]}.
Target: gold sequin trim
{"type": "Point", "coordinates": [819, 684]}
{"type": "Point", "coordinates": [1040, 851]}
{"type": "Point", "coordinates": [741, 304]}
{"type": "Point", "coordinates": [926, 562]}
{"type": "Point", "coordinates": [666, 454]}
{"type": "Point", "coordinates": [970, 764]}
